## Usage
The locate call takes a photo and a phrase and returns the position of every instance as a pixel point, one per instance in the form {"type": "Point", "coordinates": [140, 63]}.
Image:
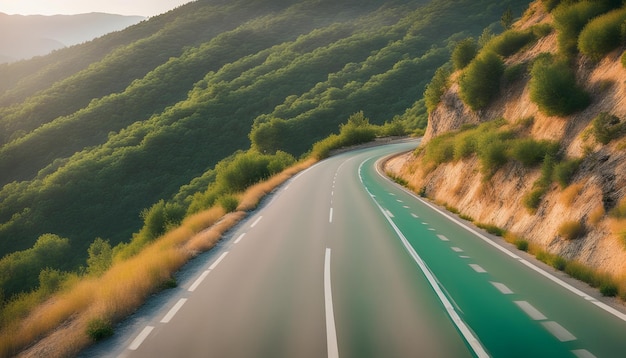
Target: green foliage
{"type": "Point", "coordinates": [437, 87]}
{"type": "Point", "coordinates": [619, 211]}
{"type": "Point", "coordinates": [510, 42]}
{"type": "Point", "coordinates": [533, 198]}
{"type": "Point", "coordinates": [607, 127]}
{"type": "Point", "coordinates": [492, 229]}
{"type": "Point", "coordinates": [393, 129]}
{"type": "Point", "coordinates": [571, 230]}
{"type": "Point", "coordinates": [554, 89]}
{"type": "Point", "coordinates": [570, 19]}
{"type": "Point", "coordinates": [99, 329]}
{"type": "Point", "coordinates": [20, 271]}
{"type": "Point", "coordinates": [565, 170]}
{"type": "Point", "coordinates": [439, 150]}
{"type": "Point", "coordinates": [603, 34]}
{"type": "Point", "coordinates": [531, 152]}
{"type": "Point", "coordinates": [521, 245]}
{"type": "Point", "coordinates": [480, 82]}
{"type": "Point", "coordinates": [51, 280]}
{"type": "Point", "coordinates": [514, 72]}
{"type": "Point", "coordinates": [356, 131]}
{"type": "Point", "coordinates": [100, 257]}
{"type": "Point", "coordinates": [507, 19]}
{"type": "Point", "coordinates": [229, 202]}
{"type": "Point", "coordinates": [463, 53]}
{"type": "Point", "coordinates": [624, 59]}
{"type": "Point", "coordinates": [492, 151]}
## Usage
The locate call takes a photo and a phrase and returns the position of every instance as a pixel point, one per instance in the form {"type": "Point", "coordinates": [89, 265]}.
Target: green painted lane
{"type": "Point", "coordinates": [513, 310]}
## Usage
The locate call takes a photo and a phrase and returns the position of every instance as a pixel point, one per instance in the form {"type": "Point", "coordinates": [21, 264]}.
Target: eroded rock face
{"type": "Point", "coordinates": [598, 185]}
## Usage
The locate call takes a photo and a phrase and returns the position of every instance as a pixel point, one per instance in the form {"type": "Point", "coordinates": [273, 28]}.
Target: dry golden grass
{"type": "Point", "coordinates": [596, 215]}
{"type": "Point", "coordinates": [250, 199]}
{"type": "Point", "coordinates": [568, 196]}
{"type": "Point", "coordinates": [618, 228]}
{"type": "Point", "coordinates": [60, 323]}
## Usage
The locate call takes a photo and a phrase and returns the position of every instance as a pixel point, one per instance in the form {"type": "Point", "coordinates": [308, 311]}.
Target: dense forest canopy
{"type": "Point", "coordinates": [92, 135]}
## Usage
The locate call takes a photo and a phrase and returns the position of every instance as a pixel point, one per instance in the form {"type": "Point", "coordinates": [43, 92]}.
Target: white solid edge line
{"type": "Point", "coordinates": [549, 276]}
{"type": "Point", "coordinates": [140, 338]}
{"type": "Point", "coordinates": [467, 334]}
{"type": "Point", "coordinates": [331, 331]}
{"type": "Point", "coordinates": [168, 317]}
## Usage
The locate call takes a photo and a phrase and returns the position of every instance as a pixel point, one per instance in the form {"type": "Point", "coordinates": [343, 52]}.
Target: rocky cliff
{"type": "Point", "coordinates": [596, 188]}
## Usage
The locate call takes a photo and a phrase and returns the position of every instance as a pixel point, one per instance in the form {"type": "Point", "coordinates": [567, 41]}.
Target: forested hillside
{"type": "Point", "coordinates": [94, 134]}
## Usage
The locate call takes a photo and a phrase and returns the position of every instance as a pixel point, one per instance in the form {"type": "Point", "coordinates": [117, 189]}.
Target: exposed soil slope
{"type": "Point", "coordinates": [596, 188]}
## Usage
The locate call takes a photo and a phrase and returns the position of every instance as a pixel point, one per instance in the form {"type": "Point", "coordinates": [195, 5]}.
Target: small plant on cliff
{"type": "Point", "coordinates": [99, 329]}
{"type": "Point", "coordinates": [571, 230]}
{"type": "Point", "coordinates": [606, 127]}
{"type": "Point", "coordinates": [463, 53]}
{"type": "Point", "coordinates": [437, 87]}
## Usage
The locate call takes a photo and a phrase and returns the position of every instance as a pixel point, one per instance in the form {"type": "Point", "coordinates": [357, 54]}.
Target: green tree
{"type": "Point", "coordinates": [100, 257]}
{"type": "Point", "coordinates": [507, 19]}
{"type": "Point", "coordinates": [463, 53]}
{"type": "Point", "coordinates": [481, 81]}
{"type": "Point", "coordinates": [437, 87]}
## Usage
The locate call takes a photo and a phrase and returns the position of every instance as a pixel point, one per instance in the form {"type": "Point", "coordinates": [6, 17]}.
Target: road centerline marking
{"type": "Point", "coordinates": [456, 249]}
{"type": "Point", "coordinates": [330, 216]}
{"type": "Point", "coordinates": [331, 330]}
{"type": "Point", "coordinates": [217, 262]}
{"type": "Point", "coordinates": [559, 331]}
{"type": "Point", "coordinates": [477, 268]}
{"type": "Point", "coordinates": [198, 281]}
{"type": "Point", "coordinates": [530, 310]}
{"type": "Point", "coordinates": [502, 288]}
{"type": "Point", "coordinates": [240, 237]}
{"type": "Point", "coordinates": [140, 338]}
{"type": "Point", "coordinates": [443, 238]}
{"type": "Point", "coordinates": [256, 221]}
{"type": "Point", "coordinates": [583, 353]}
{"type": "Point", "coordinates": [172, 312]}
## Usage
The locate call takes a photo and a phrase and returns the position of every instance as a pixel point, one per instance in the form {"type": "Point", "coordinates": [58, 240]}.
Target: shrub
{"type": "Point", "coordinates": [514, 72]}
{"type": "Point", "coordinates": [100, 257]}
{"type": "Point", "coordinates": [571, 230]}
{"type": "Point", "coordinates": [437, 87]}
{"type": "Point", "coordinates": [439, 150]}
{"type": "Point", "coordinates": [491, 150]}
{"type": "Point", "coordinates": [570, 19]}
{"type": "Point", "coordinates": [521, 245]}
{"type": "Point", "coordinates": [619, 211]}
{"type": "Point", "coordinates": [464, 145]}
{"type": "Point", "coordinates": [554, 89]}
{"type": "Point", "coordinates": [492, 229]}
{"type": "Point", "coordinates": [532, 199]}
{"type": "Point", "coordinates": [463, 53]}
{"type": "Point", "coordinates": [99, 329]}
{"type": "Point", "coordinates": [608, 289]}
{"type": "Point", "coordinates": [602, 35]}
{"type": "Point", "coordinates": [510, 42]}
{"type": "Point", "coordinates": [531, 152]}
{"type": "Point", "coordinates": [481, 81]}
{"type": "Point", "coordinates": [229, 202]}
{"type": "Point", "coordinates": [606, 127]}
{"type": "Point", "coordinates": [565, 170]}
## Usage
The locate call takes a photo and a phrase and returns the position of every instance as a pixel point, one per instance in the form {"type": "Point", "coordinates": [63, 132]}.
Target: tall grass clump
{"type": "Point", "coordinates": [571, 230]}
{"type": "Point", "coordinates": [603, 34]}
{"type": "Point", "coordinates": [530, 152]}
{"type": "Point", "coordinates": [480, 82]}
{"type": "Point", "coordinates": [554, 89]}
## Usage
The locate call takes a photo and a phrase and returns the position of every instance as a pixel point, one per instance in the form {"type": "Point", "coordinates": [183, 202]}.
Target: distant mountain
{"type": "Point", "coordinates": [22, 37]}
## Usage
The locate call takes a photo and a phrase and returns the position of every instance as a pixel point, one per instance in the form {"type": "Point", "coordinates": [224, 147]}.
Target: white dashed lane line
{"type": "Point", "coordinates": [456, 249]}
{"type": "Point", "coordinates": [140, 338]}
{"type": "Point", "coordinates": [443, 238]}
{"type": "Point", "coordinates": [172, 312]}
{"type": "Point", "coordinates": [531, 311]}
{"type": "Point", "coordinates": [477, 268]}
{"type": "Point", "coordinates": [240, 237]}
{"type": "Point", "coordinates": [558, 331]}
{"type": "Point", "coordinates": [502, 288]}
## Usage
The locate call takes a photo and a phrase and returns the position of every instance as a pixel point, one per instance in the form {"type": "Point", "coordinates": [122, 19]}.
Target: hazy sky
{"type": "Point", "coordinates": [123, 7]}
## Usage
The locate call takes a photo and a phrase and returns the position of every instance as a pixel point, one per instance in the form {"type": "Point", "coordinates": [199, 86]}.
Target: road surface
{"type": "Point", "coordinates": [340, 262]}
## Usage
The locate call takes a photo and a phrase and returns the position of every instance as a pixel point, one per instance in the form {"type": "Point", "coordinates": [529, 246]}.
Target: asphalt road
{"type": "Point", "coordinates": [340, 262]}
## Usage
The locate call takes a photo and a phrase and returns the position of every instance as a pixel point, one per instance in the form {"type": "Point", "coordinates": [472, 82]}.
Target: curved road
{"type": "Point", "coordinates": [342, 263]}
